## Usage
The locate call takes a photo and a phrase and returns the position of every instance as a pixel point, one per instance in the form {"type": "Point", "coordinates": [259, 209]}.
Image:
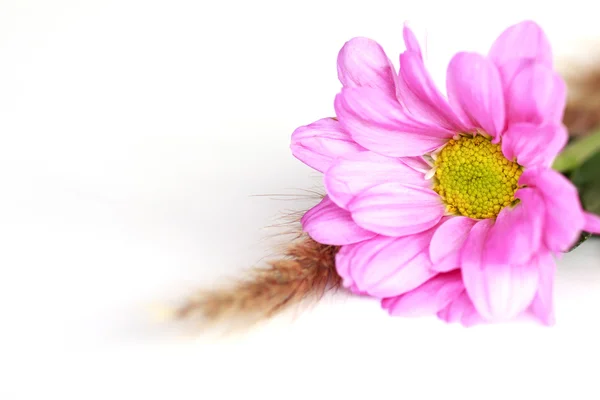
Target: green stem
{"type": "Point", "coordinates": [577, 152]}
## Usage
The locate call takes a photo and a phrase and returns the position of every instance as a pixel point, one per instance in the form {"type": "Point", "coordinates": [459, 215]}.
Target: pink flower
{"type": "Point", "coordinates": [447, 205]}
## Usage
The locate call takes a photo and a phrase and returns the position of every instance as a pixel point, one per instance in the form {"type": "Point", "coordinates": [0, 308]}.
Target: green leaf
{"type": "Point", "coordinates": [577, 152]}
{"type": "Point", "coordinates": [591, 199]}
{"type": "Point", "coordinates": [587, 180]}
{"type": "Point", "coordinates": [587, 171]}
{"type": "Point", "coordinates": [580, 162]}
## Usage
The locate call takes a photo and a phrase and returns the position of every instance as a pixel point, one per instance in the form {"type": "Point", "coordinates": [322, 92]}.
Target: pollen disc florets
{"type": "Point", "coordinates": [474, 178]}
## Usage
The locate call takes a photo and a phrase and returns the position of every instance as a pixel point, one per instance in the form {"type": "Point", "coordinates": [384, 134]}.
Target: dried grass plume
{"type": "Point", "coordinates": [582, 114]}
{"type": "Point", "coordinates": [304, 270]}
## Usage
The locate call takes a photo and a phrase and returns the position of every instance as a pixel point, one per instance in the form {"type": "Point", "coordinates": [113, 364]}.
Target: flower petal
{"type": "Point", "coordinates": [396, 209]}
{"type": "Point", "coordinates": [517, 232]}
{"type": "Point", "coordinates": [427, 299]}
{"type": "Point", "coordinates": [592, 223]}
{"type": "Point", "coordinates": [521, 44]}
{"type": "Point", "coordinates": [320, 143]}
{"type": "Point", "coordinates": [329, 224]}
{"type": "Point", "coordinates": [384, 266]}
{"type": "Point", "coordinates": [377, 122]}
{"type": "Point", "coordinates": [417, 163]}
{"type": "Point", "coordinates": [423, 100]}
{"type": "Point", "coordinates": [447, 241]}
{"type": "Point", "coordinates": [537, 95]}
{"type": "Point", "coordinates": [534, 145]}
{"type": "Point", "coordinates": [356, 290]}
{"type": "Point", "coordinates": [351, 175]}
{"type": "Point", "coordinates": [564, 219]}
{"type": "Point", "coordinates": [475, 91]}
{"type": "Point", "coordinates": [362, 62]}
{"type": "Point", "coordinates": [543, 302]}
{"type": "Point", "coordinates": [343, 262]}
{"type": "Point", "coordinates": [410, 40]}
{"type": "Point", "coordinates": [497, 291]}
{"type": "Point", "coordinates": [461, 310]}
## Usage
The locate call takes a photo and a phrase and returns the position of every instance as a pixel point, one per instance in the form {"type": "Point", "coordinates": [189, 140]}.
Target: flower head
{"type": "Point", "coordinates": [440, 204]}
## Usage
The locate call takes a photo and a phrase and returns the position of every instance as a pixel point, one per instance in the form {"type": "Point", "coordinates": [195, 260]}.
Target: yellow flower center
{"type": "Point", "coordinates": [474, 178]}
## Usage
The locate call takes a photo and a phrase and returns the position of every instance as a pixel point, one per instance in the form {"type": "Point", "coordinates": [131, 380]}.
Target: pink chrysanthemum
{"type": "Point", "coordinates": [447, 205]}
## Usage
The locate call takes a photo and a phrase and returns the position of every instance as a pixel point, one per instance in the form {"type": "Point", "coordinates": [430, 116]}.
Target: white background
{"type": "Point", "coordinates": [134, 136]}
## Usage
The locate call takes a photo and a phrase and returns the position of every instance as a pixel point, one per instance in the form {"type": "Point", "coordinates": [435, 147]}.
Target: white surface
{"type": "Point", "coordinates": [133, 137]}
